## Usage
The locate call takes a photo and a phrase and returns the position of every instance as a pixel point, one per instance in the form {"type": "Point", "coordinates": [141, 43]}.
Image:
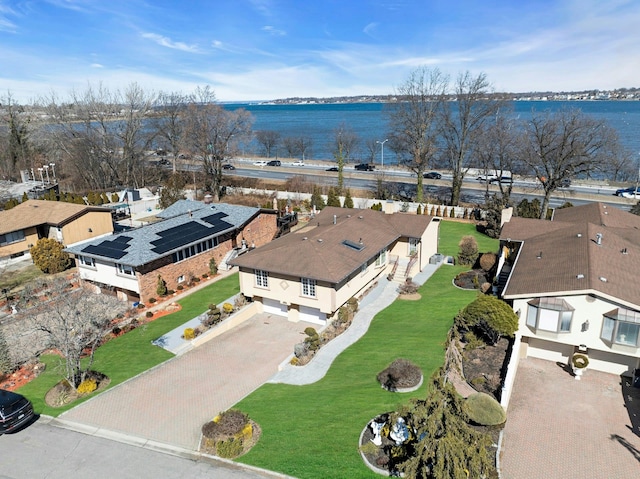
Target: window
{"type": "Point", "coordinates": [125, 269]}
{"type": "Point", "coordinates": [180, 279]}
{"type": "Point", "coordinates": [550, 314]}
{"type": "Point", "coordinates": [262, 278]}
{"type": "Point", "coordinates": [12, 237]}
{"type": "Point", "coordinates": [381, 260]}
{"type": "Point", "coordinates": [413, 246]}
{"type": "Point", "coordinates": [621, 326]}
{"type": "Point", "coordinates": [308, 287]}
{"type": "Point", "coordinates": [193, 250]}
{"type": "Point", "coordinates": [86, 261]}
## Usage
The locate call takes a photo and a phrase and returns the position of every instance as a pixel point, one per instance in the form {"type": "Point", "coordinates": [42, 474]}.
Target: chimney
{"type": "Point", "coordinates": [598, 239]}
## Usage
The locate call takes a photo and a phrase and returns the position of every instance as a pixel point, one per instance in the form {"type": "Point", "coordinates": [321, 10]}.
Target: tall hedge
{"type": "Point", "coordinates": [491, 316]}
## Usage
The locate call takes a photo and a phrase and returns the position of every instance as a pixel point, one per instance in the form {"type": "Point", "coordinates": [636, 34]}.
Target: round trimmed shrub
{"type": "Point", "coordinates": [87, 386]}
{"type": "Point", "coordinates": [401, 373]}
{"type": "Point", "coordinates": [149, 314]}
{"type": "Point", "coordinates": [227, 308]}
{"type": "Point", "coordinates": [189, 333]}
{"type": "Point", "coordinates": [484, 410]}
{"type": "Point", "coordinates": [228, 433]}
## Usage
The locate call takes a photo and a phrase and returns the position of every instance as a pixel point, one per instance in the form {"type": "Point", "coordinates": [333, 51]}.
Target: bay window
{"type": "Point", "coordinates": [549, 314]}
{"type": "Point", "coordinates": [621, 326]}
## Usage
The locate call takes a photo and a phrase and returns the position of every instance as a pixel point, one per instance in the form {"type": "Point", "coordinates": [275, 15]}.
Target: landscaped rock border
{"type": "Point", "coordinates": [405, 390]}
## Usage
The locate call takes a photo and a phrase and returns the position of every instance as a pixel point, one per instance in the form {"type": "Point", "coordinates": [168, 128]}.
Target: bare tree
{"type": "Point", "coordinates": [290, 145]}
{"type": "Point", "coordinates": [213, 133]}
{"type": "Point", "coordinates": [303, 146]}
{"type": "Point", "coordinates": [269, 140]}
{"type": "Point", "coordinates": [169, 123]}
{"type": "Point", "coordinates": [413, 121]}
{"type": "Point", "coordinates": [462, 122]}
{"type": "Point", "coordinates": [559, 146]}
{"type": "Point", "coordinates": [371, 148]}
{"type": "Point", "coordinates": [72, 320]}
{"type": "Point", "coordinates": [16, 146]}
{"type": "Point", "coordinates": [345, 141]}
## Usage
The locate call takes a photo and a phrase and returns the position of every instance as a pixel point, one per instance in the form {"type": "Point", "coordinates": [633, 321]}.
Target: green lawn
{"type": "Point", "coordinates": [312, 431]}
{"type": "Point", "coordinates": [131, 354]}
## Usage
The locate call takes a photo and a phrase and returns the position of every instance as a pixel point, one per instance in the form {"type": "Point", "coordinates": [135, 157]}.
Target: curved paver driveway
{"type": "Point", "coordinates": [170, 403]}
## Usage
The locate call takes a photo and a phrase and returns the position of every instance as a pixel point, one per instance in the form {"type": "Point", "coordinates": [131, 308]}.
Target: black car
{"type": "Point", "coordinates": [228, 166]}
{"type": "Point", "coordinates": [333, 168]}
{"type": "Point", "coordinates": [15, 411]}
{"type": "Point", "coordinates": [432, 175]}
{"type": "Point", "coordinates": [274, 163]}
{"type": "Point", "coordinates": [364, 167]}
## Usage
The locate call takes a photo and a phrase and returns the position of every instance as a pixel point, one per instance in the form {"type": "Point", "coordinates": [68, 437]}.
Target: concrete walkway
{"type": "Point", "coordinates": [376, 300]}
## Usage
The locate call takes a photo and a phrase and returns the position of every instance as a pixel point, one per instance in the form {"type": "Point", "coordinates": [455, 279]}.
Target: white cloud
{"type": "Point", "coordinates": [273, 31]}
{"type": "Point", "coordinates": [370, 28]}
{"type": "Point", "coordinates": [97, 65]}
{"type": "Point", "coordinates": [167, 42]}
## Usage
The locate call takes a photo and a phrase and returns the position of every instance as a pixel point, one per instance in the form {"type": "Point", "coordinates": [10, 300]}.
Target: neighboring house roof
{"type": "Point", "coordinates": [38, 212]}
{"type": "Point", "coordinates": [563, 256]}
{"type": "Point", "coordinates": [331, 252]}
{"type": "Point", "coordinates": [181, 207]}
{"type": "Point", "coordinates": [150, 242]}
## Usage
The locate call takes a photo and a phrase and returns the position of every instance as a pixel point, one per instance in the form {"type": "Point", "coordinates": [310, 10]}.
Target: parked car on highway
{"type": "Point", "coordinates": [333, 168]}
{"type": "Point", "coordinates": [259, 163]}
{"type": "Point", "coordinates": [228, 166]}
{"type": "Point", "coordinates": [432, 175]}
{"type": "Point", "coordinates": [298, 163]}
{"type": "Point", "coordinates": [488, 178]}
{"type": "Point", "coordinates": [15, 411]}
{"type": "Point", "coordinates": [364, 167]}
{"type": "Point", "coordinates": [274, 163]}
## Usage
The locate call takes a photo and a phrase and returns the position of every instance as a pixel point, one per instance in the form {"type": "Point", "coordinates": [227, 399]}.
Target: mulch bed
{"type": "Point", "coordinates": [471, 279]}
{"type": "Point", "coordinates": [62, 393]}
{"type": "Point", "coordinates": [247, 445]}
{"type": "Point", "coordinates": [483, 367]}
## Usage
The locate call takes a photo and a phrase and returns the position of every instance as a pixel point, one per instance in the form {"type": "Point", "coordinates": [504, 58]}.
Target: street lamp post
{"type": "Point", "coordinates": [53, 170]}
{"type": "Point", "coordinates": [41, 177]}
{"type": "Point", "coordinates": [46, 170]}
{"type": "Point", "coordinates": [382, 150]}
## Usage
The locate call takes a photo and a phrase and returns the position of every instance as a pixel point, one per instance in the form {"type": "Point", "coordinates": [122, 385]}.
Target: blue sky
{"type": "Point", "coordinates": [269, 49]}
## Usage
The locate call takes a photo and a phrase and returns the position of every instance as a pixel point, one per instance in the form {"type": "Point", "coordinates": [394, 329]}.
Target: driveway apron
{"type": "Point", "coordinates": [560, 428]}
{"type": "Point", "coordinates": [172, 401]}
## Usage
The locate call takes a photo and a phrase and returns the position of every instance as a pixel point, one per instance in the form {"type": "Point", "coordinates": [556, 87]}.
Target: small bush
{"type": "Point", "coordinates": [484, 410]}
{"type": "Point", "coordinates": [116, 330]}
{"type": "Point", "coordinates": [180, 287]}
{"type": "Point", "coordinates": [152, 300]}
{"type": "Point", "coordinates": [149, 314]}
{"type": "Point", "coordinates": [468, 250]}
{"type": "Point", "coordinates": [312, 340]}
{"type": "Point", "coordinates": [189, 334]}
{"type": "Point", "coordinates": [140, 306]}
{"type": "Point", "coordinates": [213, 267]}
{"type": "Point", "coordinates": [87, 386]}
{"type": "Point", "coordinates": [205, 275]}
{"type": "Point", "coordinates": [488, 261]}
{"type": "Point", "coordinates": [294, 361]}
{"type": "Point", "coordinates": [353, 304]}
{"type": "Point", "coordinates": [170, 291]}
{"type": "Point", "coordinates": [227, 308]}
{"type": "Point", "coordinates": [225, 424]}
{"type": "Point", "coordinates": [401, 373]}
{"type": "Point", "coordinates": [230, 448]}
{"type": "Point", "coordinates": [408, 287]}
{"type": "Point", "coordinates": [161, 286]}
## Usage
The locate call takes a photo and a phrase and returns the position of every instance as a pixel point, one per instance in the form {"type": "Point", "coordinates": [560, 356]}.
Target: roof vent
{"type": "Point", "coordinates": [624, 251]}
{"type": "Point", "coordinates": [603, 279]}
{"type": "Point", "coordinates": [335, 219]}
{"type": "Point", "coordinates": [360, 217]}
{"type": "Point", "coordinates": [348, 216]}
{"type": "Point", "coordinates": [540, 255]}
{"type": "Point", "coordinates": [598, 239]}
{"type": "Point", "coordinates": [304, 238]}
{"type": "Point", "coordinates": [580, 276]}
{"type": "Point", "coordinates": [319, 240]}
{"type": "Point", "coordinates": [579, 235]}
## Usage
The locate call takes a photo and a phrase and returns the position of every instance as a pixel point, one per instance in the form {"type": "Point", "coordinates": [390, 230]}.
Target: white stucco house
{"type": "Point", "coordinates": [573, 282]}
{"type": "Point", "coordinates": [310, 273]}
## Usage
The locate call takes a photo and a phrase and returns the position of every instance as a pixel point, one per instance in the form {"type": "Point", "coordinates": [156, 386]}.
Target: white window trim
{"type": "Point", "coordinates": [125, 270]}
{"type": "Point", "coordinates": [261, 278]}
{"type": "Point", "coordinates": [310, 285]}
{"type": "Point", "coordinates": [86, 262]}
{"type": "Point", "coordinates": [381, 260]}
{"type": "Point", "coordinates": [614, 332]}
{"type": "Point", "coordinates": [543, 318]}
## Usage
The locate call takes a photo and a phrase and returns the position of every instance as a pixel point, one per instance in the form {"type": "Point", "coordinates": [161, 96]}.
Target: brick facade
{"type": "Point", "coordinates": [260, 230]}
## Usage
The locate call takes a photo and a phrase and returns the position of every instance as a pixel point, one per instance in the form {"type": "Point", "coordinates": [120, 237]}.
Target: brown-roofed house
{"type": "Point", "coordinates": [22, 226]}
{"type": "Point", "coordinates": [572, 281]}
{"type": "Point", "coordinates": [308, 275]}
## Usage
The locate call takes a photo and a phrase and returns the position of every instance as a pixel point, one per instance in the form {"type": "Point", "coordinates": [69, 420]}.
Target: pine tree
{"type": "Point", "coordinates": [161, 287]}
{"type": "Point", "coordinates": [348, 201]}
{"type": "Point", "coordinates": [316, 198]}
{"type": "Point", "coordinates": [419, 210]}
{"type": "Point", "coordinates": [25, 197]}
{"type": "Point", "coordinates": [332, 198]}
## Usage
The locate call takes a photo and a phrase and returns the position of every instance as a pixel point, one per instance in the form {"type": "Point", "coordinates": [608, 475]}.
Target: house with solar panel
{"type": "Point", "coordinates": [309, 274]}
{"type": "Point", "coordinates": [572, 282]}
{"type": "Point", "coordinates": [178, 248]}
{"type": "Point", "coordinates": [22, 226]}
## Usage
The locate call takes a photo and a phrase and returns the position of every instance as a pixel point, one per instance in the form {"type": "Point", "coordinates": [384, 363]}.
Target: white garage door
{"type": "Point", "coordinates": [312, 315]}
{"type": "Point", "coordinates": [271, 306]}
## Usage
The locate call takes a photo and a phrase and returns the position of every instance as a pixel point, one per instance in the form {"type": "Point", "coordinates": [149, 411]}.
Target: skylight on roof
{"type": "Point", "coordinates": [353, 245]}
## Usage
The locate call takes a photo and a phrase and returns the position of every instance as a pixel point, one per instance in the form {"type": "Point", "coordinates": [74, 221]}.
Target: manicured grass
{"type": "Point", "coordinates": [132, 353]}
{"type": "Point", "coordinates": [451, 232]}
{"type": "Point", "coordinates": [312, 431]}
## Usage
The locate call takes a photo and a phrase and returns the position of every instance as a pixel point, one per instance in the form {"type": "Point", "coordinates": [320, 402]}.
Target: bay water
{"type": "Point", "coordinates": [369, 121]}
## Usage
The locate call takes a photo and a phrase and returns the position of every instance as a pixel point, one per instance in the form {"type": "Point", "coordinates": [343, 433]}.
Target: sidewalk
{"type": "Point", "coordinates": [376, 300]}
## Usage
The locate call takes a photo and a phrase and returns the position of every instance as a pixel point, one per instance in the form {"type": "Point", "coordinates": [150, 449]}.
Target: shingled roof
{"type": "Point", "coordinates": [328, 250]}
{"type": "Point", "coordinates": [150, 242]}
{"type": "Point", "coordinates": [593, 248]}
{"type": "Point", "coordinates": [40, 212]}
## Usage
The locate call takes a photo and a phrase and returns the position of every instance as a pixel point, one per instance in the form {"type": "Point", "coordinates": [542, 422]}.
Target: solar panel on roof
{"type": "Point", "coordinates": [179, 236]}
{"type": "Point", "coordinates": [114, 249]}
{"type": "Point", "coordinates": [122, 239]}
